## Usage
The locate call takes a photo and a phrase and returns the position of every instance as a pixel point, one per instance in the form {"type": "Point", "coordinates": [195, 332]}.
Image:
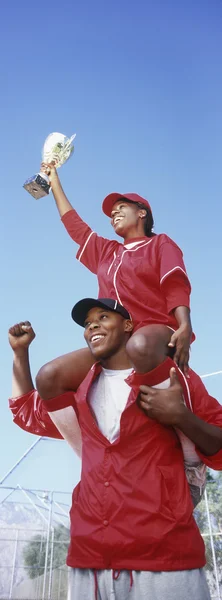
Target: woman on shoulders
{"type": "Point", "coordinates": [145, 272]}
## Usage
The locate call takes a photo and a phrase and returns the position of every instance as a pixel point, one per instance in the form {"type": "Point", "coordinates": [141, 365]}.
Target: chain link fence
{"type": "Point", "coordinates": [34, 537]}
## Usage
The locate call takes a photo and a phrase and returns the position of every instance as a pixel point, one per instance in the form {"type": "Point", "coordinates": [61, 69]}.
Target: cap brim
{"type": "Point", "coordinates": [81, 309]}
{"type": "Point", "coordinates": [109, 201]}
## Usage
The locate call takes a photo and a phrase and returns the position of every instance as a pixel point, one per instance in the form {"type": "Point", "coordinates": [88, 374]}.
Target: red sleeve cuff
{"type": "Point", "coordinates": [30, 414]}
{"type": "Point", "coordinates": [66, 217]}
{"type": "Point", "coordinates": [213, 462]}
{"type": "Point", "coordinates": [18, 401]}
{"type": "Point", "coordinates": [176, 289]}
{"type": "Point", "coordinates": [58, 402]}
{"type": "Point", "coordinates": [175, 300]}
{"type": "Point", "coordinates": [157, 375]}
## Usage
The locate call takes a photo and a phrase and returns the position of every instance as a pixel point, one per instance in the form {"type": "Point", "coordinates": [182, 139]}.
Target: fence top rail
{"type": "Point", "coordinates": [43, 491]}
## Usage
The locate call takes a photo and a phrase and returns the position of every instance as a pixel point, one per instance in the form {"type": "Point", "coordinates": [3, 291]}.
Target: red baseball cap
{"type": "Point", "coordinates": [110, 200]}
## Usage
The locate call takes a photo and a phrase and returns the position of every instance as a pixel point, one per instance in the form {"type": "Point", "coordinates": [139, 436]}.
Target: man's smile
{"type": "Point", "coordinates": [96, 337]}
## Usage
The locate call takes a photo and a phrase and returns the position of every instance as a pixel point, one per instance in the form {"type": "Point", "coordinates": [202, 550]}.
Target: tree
{"type": "Point", "coordinates": [214, 498]}
{"type": "Point", "coordinates": [34, 553]}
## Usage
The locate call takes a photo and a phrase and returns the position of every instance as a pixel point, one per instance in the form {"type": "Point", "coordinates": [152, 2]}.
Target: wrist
{"type": "Point", "coordinates": [54, 180]}
{"type": "Point", "coordinates": [182, 315]}
{"type": "Point", "coordinates": [186, 326]}
{"type": "Point", "coordinates": [180, 416]}
{"type": "Point", "coordinates": [21, 353]}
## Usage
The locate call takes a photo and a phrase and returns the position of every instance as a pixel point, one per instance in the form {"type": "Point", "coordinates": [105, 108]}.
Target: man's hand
{"type": "Point", "coordinates": [20, 336]}
{"type": "Point", "coordinates": [165, 406]}
{"type": "Point", "coordinates": [181, 339]}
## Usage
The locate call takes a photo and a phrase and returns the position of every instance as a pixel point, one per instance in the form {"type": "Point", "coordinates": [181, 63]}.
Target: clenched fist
{"type": "Point", "coordinates": [21, 335]}
{"type": "Point", "coordinates": [50, 170]}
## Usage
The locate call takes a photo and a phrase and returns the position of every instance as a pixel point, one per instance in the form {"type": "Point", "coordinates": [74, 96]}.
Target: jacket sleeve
{"type": "Point", "coordinates": [174, 281]}
{"type": "Point", "coordinates": [30, 414]}
{"type": "Point", "coordinates": [91, 245]}
{"type": "Point", "coordinates": [209, 410]}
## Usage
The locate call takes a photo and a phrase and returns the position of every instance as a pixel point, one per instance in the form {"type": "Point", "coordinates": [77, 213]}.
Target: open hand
{"type": "Point", "coordinates": [164, 405]}
{"type": "Point", "coordinates": [21, 335]}
{"type": "Point", "coordinates": [181, 340]}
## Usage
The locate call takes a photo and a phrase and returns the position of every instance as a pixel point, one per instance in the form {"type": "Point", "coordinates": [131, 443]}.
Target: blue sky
{"type": "Point", "coordinates": [141, 85]}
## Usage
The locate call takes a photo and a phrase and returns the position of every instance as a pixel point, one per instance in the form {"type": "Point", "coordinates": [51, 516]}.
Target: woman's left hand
{"type": "Point", "coordinates": [181, 340]}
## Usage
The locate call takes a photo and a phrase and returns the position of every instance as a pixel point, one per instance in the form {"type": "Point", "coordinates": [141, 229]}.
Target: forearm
{"type": "Point", "coordinates": [182, 315]}
{"type": "Point", "coordinates": [206, 437]}
{"type": "Point", "coordinates": [21, 375]}
{"type": "Point", "coordinates": [62, 201]}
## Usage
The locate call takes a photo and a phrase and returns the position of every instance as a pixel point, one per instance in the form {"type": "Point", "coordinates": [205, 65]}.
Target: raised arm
{"type": "Point", "coordinates": [21, 336]}
{"type": "Point", "coordinates": [61, 200]}
{"type": "Point", "coordinates": [27, 408]}
{"type": "Point", "coordinates": [91, 246]}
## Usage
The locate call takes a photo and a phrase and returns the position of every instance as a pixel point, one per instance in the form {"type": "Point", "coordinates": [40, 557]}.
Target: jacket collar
{"type": "Point", "coordinates": [95, 370]}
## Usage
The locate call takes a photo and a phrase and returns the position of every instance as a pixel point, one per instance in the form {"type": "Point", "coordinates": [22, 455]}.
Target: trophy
{"type": "Point", "coordinates": [57, 149]}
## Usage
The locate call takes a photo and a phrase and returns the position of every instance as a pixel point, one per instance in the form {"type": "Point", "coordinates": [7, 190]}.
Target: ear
{"type": "Point", "coordinates": [142, 214]}
{"type": "Point", "coordinates": [128, 326]}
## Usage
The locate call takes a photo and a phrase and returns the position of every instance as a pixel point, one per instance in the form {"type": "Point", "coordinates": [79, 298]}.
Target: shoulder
{"type": "Point", "coordinates": [196, 386]}
{"type": "Point", "coordinates": [203, 404]}
{"type": "Point", "coordinates": [163, 238]}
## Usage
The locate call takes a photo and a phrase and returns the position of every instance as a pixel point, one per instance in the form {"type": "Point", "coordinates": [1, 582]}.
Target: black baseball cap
{"type": "Point", "coordinates": [81, 309]}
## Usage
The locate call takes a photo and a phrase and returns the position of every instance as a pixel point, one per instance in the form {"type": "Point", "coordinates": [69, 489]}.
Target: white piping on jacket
{"type": "Point", "coordinates": [84, 247]}
{"type": "Point", "coordinates": [119, 265]}
{"type": "Point", "coordinates": [110, 267]}
{"type": "Point", "coordinates": [119, 300]}
{"type": "Point", "coordinates": [171, 271]}
{"type": "Point", "coordinates": [187, 388]}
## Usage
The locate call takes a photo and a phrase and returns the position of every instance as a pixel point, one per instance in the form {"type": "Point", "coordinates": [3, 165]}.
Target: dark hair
{"type": "Point", "coordinates": [148, 221]}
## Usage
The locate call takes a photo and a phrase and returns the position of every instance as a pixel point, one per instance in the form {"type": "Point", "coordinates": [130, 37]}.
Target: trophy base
{"type": "Point", "coordinates": [38, 186]}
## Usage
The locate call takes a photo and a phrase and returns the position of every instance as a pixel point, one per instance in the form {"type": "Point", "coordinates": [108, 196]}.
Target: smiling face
{"type": "Point", "coordinates": [127, 219]}
{"type": "Point", "coordinates": [106, 333]}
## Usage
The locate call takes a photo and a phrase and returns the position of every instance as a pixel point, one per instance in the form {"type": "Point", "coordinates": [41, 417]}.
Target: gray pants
{"type": "Point", "coordinates": [86, 584]}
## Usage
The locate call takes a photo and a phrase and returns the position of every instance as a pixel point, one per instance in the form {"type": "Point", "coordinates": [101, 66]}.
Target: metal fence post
{"type": "Point", "coordinates": [212, 546]}
{"type": "Point", "coordinates": [47, 546]}
{"type": "Point", "coordinates": [13, 565]}
{"type": "Point", "coordinates": [51, 558]}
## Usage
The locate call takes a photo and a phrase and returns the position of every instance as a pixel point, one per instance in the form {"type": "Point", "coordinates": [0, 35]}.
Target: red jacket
{"type": "Point", "coordinates": [150, 279]}
{"type": "Point", "coordinates": [132, 508]}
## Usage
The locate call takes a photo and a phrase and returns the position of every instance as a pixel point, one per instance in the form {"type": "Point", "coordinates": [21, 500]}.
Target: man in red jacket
{"type": "Point", "coordinates": [133, 534]}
